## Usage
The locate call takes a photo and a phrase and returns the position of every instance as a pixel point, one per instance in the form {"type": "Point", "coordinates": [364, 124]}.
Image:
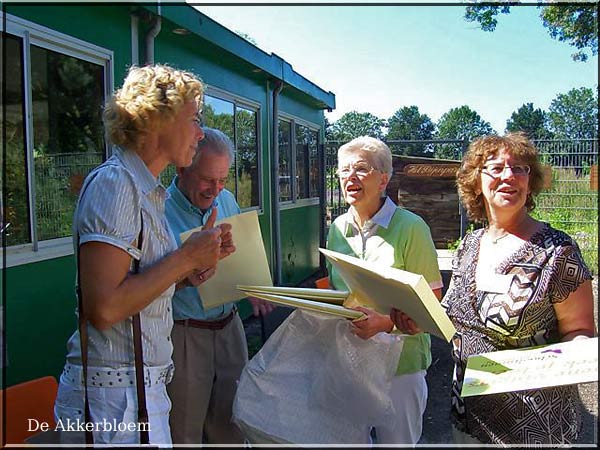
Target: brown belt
{"type": "Point", "coordinates": [208, 324]}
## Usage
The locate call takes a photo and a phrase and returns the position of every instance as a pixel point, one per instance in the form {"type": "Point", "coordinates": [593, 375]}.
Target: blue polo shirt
{"type": "Point", "coordinates": [182, 216]}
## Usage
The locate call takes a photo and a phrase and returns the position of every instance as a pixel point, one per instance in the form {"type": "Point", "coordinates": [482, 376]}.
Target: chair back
{"type": "Point", "coordinates": [28, 405]}
{"type": "Point", "coordinates": [322, 283]}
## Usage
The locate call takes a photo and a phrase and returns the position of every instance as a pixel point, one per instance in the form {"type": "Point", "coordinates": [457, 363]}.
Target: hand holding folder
{"type": "Point", "coordinates": [378, 287]}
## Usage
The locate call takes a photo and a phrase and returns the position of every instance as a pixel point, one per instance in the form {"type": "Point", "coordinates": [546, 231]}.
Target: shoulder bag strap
{"type": "Point", "coordinates": [139, 359]}
{"type": "Point", "coordinates": [83, 336]}
{"type": "Point", "coordinates": [137, 349]}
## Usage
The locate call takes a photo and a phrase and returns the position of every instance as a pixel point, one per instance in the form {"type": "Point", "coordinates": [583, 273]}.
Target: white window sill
{"type": "Point", "coordinates": [299, 203]}
{"type": "Point", "coordinates": [24, 254]}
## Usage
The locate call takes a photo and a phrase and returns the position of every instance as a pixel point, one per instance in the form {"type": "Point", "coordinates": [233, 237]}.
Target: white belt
{"type": "Point", "coordinates": [122, 377]}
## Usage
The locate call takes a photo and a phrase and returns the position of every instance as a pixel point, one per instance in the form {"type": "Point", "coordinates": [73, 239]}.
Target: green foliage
{"type": "Point", "coordinates": [14, 186]}
{"type": "Point", "coordinates": [533, 122]}
{"type": "Point", "coordinates": [574, 115]}
{"type": "Point", "coordinates": [222, 121]}
{"type": "Point", "coordinates": [571, 206]}
{"type": "Point", "coordinates": [575, 24]}
{"type": "Point", "coordinates": [459, 123]}
{"type": "Point", "coordinates": [354, 124]}
{"type": "Point", "coordinates": [409, 124]}
{"type": "Point", "coordinates": [328, 130]}
{"type": "Point", "coordinates": [244, 191]}
{"type": "Point", "coordinates": [453, 245]}
{"type": "Point", "coordinates": [485, 15]}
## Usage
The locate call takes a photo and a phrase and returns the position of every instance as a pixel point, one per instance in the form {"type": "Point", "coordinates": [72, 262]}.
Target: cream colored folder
{"type": "Point", "coordinates": [322, 295]}
{"type": "Point", "coordinates": [247, 265]}
{"type": "Point", "coordinates": [323, 305]}
{"type": "Point", "coordinates": [382, 288]}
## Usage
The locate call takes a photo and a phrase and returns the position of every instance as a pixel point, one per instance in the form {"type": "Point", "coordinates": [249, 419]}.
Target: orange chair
{"type": "Point", "coordinates": [29, 400]}
{"type": "Point", "coordinates": [322, 283]}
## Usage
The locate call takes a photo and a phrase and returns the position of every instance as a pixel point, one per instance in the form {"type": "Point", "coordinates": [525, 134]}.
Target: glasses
{"type": "Point", "coordinates": [496, 170]}
{"type": "Point", "coordinates": [361, 169]}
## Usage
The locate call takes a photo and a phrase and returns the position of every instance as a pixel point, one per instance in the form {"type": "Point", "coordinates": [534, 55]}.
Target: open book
{"type": "Point", "coordinates": [372, 285]}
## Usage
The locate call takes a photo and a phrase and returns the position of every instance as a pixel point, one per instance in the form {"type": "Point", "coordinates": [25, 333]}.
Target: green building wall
{"type": "Point", "coordinates": [39, 302]}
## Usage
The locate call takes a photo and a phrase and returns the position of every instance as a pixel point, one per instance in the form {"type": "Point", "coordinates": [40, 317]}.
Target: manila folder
{"type": "Point", "coordinates": [247, 265]}
{"type": "Point", "coordinates": [382, 288]}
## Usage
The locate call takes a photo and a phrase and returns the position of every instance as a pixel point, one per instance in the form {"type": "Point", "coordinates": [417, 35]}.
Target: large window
{"type": "Point", "coordinates": [53, 134]}
{"type": "Point", "coordinates": [240, 123]}
{"type": "Point", "coordinates": [298, 161]}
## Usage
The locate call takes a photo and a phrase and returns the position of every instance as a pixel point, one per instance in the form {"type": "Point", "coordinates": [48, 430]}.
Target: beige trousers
{"type": "Point", "coordinates": [208, 364]}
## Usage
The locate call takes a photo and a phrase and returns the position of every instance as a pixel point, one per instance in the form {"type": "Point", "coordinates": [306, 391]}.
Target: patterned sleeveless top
{"type": "Point", "coordinates": [546, 270]}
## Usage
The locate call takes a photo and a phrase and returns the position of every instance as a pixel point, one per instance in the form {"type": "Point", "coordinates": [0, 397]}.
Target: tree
{"type": "Point", "coordinates": [354, 124]}
{"type": "Point", "coordinates": [409, 124]}
{"type": "Point", "coordinates": [574, 115]}
{"type": "Point", "coordinates": [328, 130]}
{"type": "Point", "coordinates": [534, 122]}
{"type": "Point", "coordinates": [576, 24]}
{"type": "Point", "coordinates": [459, 123]}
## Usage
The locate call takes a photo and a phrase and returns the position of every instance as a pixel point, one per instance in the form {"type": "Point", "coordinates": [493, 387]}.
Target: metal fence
{"type": "Point", "coordinates": [569, 202]}
{"type": "Point", "coordinates": [335, 205]}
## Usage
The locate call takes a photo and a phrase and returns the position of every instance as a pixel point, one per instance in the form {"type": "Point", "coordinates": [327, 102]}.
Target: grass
{"type": "Point", "coordinates": [571, 205]}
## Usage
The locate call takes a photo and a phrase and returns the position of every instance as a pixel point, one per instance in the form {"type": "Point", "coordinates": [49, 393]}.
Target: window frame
{"type": "Point", "coordinates": [293, 121]}
{"type": "Point", "coordinates": [34, 34]}
{"type": "Point", "coordinates": [254, 106]}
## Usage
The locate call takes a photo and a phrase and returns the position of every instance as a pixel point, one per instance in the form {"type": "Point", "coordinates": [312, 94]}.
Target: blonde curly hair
{"type": "Point", "coordinates": [150, 97]}
{"type": "Point", "coordinates": [468, 179]}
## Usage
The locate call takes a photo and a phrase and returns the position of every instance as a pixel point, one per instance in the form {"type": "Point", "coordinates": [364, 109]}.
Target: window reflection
{"type": "Point", "coordinates": [247, 157]}
{"type": "Point", "coordinates": [240, 125]}
{"type": "Point", "coordinates": [15, 214]}
{"type": "Point", "coordinates": [67, 95]}
{"type": "Point", "coordinates": [285, 167]}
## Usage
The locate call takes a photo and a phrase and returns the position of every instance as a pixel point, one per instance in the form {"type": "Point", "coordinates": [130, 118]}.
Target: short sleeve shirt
{"type": "Point", "coordinates": [397, 238]}
{"type": "Point", "coordinates": [115, 198]}
{"type": "Point", "coordinates": [183, 216]}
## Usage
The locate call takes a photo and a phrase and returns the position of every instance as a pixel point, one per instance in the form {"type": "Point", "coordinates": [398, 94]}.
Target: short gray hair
{"type": "Point", "coordinates": [381, 155]}
{"type": "Point", "coordinates": [215, 141]}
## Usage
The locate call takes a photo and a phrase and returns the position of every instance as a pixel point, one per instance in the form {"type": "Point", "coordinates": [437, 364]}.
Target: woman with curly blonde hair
{"type": "Point", "coordinates": [515, 283]}
{"type": "Point", "coordinates": [152, 121]}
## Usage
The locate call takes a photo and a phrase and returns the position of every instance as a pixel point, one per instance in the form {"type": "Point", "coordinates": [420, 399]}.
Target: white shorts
{"type": "Point", "coordinates": [113, 411]}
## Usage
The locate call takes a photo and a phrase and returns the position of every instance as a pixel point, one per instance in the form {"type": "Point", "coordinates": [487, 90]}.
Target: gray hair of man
{"type": "Point", "coordinates": [217, 142]}
{"type": "Point", "coordinates": [380, 155]}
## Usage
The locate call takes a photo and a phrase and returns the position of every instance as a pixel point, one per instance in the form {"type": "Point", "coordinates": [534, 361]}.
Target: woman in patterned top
{"type": "Point", "coordinates": [517, 282]}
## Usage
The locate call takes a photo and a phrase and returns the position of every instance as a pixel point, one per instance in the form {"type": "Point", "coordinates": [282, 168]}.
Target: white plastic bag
{"type": "Point", "coordinates": [314, 382]}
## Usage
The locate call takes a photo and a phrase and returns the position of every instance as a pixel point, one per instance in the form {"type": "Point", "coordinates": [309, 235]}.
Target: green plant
{"type": "Point", "coordinates": [453, 245]}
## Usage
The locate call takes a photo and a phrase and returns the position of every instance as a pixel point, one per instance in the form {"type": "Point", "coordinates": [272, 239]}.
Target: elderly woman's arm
{"type": "Point", "coordinates": [575, 315]}
{"type": "Point", "coordinates": [111, 293]}
{"type": "Point", "coordinates": [404, 323]}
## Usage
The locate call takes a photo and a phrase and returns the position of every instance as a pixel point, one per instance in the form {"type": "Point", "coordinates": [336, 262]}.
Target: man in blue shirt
{"type": "Point", "coordinates": [209, 345]}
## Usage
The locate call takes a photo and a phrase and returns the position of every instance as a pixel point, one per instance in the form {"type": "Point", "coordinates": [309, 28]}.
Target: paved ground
{"type": "Point", "coordinates": [436, 425]}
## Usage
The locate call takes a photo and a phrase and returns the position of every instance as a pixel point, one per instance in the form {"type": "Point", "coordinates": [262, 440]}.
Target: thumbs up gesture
{"type": "Point", "coordinates": [227, 247]}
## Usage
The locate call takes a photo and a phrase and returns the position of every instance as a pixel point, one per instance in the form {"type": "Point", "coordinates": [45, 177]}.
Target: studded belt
{"type": "Point", "coordinates": [121, 377]}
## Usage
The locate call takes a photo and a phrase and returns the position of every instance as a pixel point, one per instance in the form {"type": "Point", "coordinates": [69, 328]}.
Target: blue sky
{"type": "Point", "coordinates": [380, 58]}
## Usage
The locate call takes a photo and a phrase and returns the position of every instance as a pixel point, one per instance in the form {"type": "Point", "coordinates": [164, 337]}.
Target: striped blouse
{"type": "Point", "coordinates": [108, 211]}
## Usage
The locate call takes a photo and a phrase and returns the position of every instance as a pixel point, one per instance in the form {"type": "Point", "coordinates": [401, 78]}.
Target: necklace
{"type": "Point", "coordinates": [495, 241]}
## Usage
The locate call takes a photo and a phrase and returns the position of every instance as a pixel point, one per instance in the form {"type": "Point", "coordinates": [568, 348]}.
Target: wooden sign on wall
{"type": "Point", "coordinates": [431, 170]}
{"type": "Point", "coordinates": [427, 187]}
